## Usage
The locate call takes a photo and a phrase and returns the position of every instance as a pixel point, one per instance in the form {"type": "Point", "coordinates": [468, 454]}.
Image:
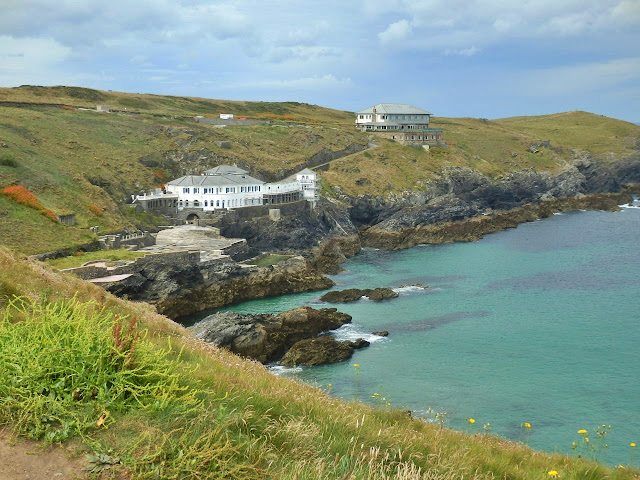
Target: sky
{"type": "Point", "coordinates": [454, 58]}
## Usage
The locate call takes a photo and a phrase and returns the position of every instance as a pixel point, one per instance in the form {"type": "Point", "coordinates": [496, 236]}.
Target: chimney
{"type": "Point", "coordinates": [374, 115]}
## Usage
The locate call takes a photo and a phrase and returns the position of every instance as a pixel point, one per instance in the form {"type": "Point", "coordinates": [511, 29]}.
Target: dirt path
{"type": "Point", "coordinates": [28, 460]}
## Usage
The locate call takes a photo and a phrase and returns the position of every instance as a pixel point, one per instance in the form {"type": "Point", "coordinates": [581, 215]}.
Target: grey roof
{"type": "Point", "coordinates": [215, 180]}
{"type": "Point", "coordinates": [395, 109]}
{"type": "Point", "coordinates": [306, 171]}
{"type": "Point", "coordinates": [225, 169]}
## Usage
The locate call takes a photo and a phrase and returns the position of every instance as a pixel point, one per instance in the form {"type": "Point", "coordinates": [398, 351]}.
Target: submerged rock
{"type": "Point", "coordinates": [353, 294]}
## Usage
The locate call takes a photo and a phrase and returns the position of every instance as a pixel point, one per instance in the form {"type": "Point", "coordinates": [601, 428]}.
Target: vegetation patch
{"type": "Point", "coordinates": [269, 260]}
{"type": "Point", "coordinates": [21, 195]}
{"type": "Point", "coordinates": [108, 256]}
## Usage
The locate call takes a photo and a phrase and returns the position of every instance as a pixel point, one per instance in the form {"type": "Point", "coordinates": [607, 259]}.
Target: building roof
{"type": "Point", "coordinates": [306, 171]}
{"type": "Point", "coordinates": [395, 109]}
{"type": "Point", "coordinates": [220, 180]}
{"type": "Point", "coordinates": [225, 169]}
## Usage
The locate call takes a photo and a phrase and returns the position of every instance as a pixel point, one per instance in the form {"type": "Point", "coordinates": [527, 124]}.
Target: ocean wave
{"type": "Point", "coordinates": [557, 213]}
{"type": "Point", "coordinates": [626, 205]}
{"type": "Point", "coordinates": [352, 332]}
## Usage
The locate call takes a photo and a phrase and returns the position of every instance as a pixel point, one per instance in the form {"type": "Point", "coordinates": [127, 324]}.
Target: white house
{"type": "Point", "coordinates": [226, 116]}
{"type": "Point", "coordinates": [228, 187]}
{"type": "Point", "coordinates": [221, 187]}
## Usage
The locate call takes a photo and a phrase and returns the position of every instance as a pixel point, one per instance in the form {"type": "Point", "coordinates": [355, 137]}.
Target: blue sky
{"type": "Point", "coordinates": [491, 58]}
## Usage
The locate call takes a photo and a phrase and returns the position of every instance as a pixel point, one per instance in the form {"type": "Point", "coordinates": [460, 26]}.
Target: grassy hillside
{"type": "Point", "coordinates": [493, 147]}
{"type": "Point", "coordinates": [88, 163]}
{"type": "Point", "coordinates": [171, 407]}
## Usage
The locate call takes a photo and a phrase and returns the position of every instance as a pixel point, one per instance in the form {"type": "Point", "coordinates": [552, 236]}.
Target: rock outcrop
{"type": "Point", "coordinates": [353, 294]}
{"type": "Point", "coordinates": [266, 337]}
{"type": "Point", "coordinates": [181, 290]}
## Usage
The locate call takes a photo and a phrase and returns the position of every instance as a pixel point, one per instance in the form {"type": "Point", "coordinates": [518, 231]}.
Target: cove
{"type": "Point", "coordinates": [535, 324]}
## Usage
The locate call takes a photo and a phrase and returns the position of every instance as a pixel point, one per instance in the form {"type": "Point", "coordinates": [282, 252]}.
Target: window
{"type": "Point", "coordinates": [227, 190]}
{"type": "Point", "coordinates": [394, 137]}
{"type": "Point", "coordinates": [419, 137]}
{"type": "Point", "coordinates": [412, 138]}
{"type": "Point", "coordinates": [185, 190]}
{"type": "Point", "coordinates": [196, 190]}
{"type": "Point", "coordinates": [217, 203]}
{"type": "Point", "coordinates": [186, 203]}
{"type": "Point", "coordinates": [205, 203]}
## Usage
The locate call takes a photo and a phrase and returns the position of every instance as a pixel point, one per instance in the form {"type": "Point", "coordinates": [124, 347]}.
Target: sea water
{"type": "Point", "coordinates": [539, 324]}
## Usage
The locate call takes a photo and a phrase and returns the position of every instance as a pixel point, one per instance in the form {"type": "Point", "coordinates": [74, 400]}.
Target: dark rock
{"type": "Point", "coordinates": [343, 296]}
{"type": "Point", "coordinates": [363, 181]}
{"type": "Point", "coordinates": [353, 294]}
{"type": "Point", "coordinates": [378, 294]}
{"type": "Point", "coordinates": [317, 351]}
{"type": "Point", "coordinates": [225, 145]}
{"type": "Point", "coordinates": [381, 333]}
{"type": "Point", "coordinates": [266, 337]}
{"type": "Point", "coordinates": [359, 343]}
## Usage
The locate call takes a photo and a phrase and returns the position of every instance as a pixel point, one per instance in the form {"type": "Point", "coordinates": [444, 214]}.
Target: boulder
{"type": "Point", "coordinates": [317, 351]}
{"type": "Point", "coordinates": [266, 337]}
{"type": "Point", "coordinates": [381, 333]}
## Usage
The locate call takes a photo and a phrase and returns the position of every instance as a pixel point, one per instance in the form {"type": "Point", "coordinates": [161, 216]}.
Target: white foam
{"type": "Point", "coordinates": [557, 213]}
{"type": "Point", "coordinates": [629, 206]}
{"type": "Point", "coordinates": [282, 370]}
{"type": "Point", "coordinates": [352, 332]}
{"type": "Point", "coordinates": [409, 289]}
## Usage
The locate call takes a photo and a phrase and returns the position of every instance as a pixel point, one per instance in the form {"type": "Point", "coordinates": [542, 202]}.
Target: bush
{"type": "Point", "coordinates": [67, 368]}
{"type": "Point", "coordinates": [8, 161]}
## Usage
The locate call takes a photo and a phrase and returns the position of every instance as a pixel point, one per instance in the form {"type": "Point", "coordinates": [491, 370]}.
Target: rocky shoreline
{"type": "Point", "coordinates": [459, 205]}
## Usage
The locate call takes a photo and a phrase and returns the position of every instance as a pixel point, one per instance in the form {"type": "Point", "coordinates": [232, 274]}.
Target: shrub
{"type": "Point", "coordinates": [96, 209]}
{"type": "Point", "coordinates": [8, 161]}
{"type": "Point", "coordinates": [67, 368]}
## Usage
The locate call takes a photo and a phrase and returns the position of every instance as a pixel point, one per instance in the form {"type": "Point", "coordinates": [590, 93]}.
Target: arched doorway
{"type": "Point", "coordinates": [192, 219]}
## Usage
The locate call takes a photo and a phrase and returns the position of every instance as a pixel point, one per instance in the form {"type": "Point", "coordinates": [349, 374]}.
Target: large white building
{"type": "Point", "coordinates": [400, 122]}
{"type": "Point", "coordinates": [227, 187]}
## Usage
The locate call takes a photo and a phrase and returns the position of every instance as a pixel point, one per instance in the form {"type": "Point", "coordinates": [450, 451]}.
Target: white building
{"type": "Point", "coordinates": [400, 122]}
{"type": "Point", "coordinates": [228, 187]}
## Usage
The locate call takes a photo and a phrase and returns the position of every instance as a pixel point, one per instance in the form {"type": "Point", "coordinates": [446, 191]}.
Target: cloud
{"type": "Point", "coordinates": [465, 52]}
{"type": "Point", "coordinates": [582, 78]}
{"type": "Point", "coordinates": [395, 32]}
{"type": "Point", "coordinates": [26, 58]}
{"type": "Point", "coordinates": [306, 83]}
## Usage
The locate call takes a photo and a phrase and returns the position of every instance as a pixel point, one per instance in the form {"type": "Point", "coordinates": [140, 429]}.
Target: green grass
{"type": "Point", "coordinates": [81, 258]}
{"type": "Point", "coordinates": [269, 260]}
{"type": "Point", "coordinates": [172, 407]}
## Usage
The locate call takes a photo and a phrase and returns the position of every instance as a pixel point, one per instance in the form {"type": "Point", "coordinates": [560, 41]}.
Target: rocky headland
{"type": "Point", "coordinates": [183, 289]}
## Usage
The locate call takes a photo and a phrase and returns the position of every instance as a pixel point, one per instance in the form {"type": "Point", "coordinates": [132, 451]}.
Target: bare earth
{"type": "Point", "coordinates": [28, 460]}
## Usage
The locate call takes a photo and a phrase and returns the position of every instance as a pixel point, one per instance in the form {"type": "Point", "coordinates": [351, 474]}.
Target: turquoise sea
{"type": "Point", "coordinates": [537, 324]}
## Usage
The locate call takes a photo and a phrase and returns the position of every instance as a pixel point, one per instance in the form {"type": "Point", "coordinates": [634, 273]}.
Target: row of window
{"type": "Point", "coordinates": [218, 203]}
{"type": "Point", "coordinates": [247, 189]}
{"type": "Point", "coordinates": [395, 117]}
{"type": "Point", "coordinates": [413, 137]}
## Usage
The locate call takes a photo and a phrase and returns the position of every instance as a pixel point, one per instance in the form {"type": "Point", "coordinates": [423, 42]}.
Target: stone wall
{"type": "Point", "coordinates": [230, 121]}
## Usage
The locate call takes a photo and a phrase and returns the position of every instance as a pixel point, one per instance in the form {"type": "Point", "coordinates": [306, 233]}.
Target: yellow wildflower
{"type": "Point", "coordinates": [471, 420]}
{"type": "Point", "coordinates": [582, 432]}
{"type": "Point", "coordinates": [356, 365]}
{"type": "Point", "coordinates": [527, 425]}
{"type": "Point", "coordinates": [632, 445]}
{"type": "Point", "coordinates": [553, 473]}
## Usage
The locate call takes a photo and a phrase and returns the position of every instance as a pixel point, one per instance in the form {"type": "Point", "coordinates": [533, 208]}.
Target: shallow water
{"type": "Point", "coordinates": [536, 324]}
